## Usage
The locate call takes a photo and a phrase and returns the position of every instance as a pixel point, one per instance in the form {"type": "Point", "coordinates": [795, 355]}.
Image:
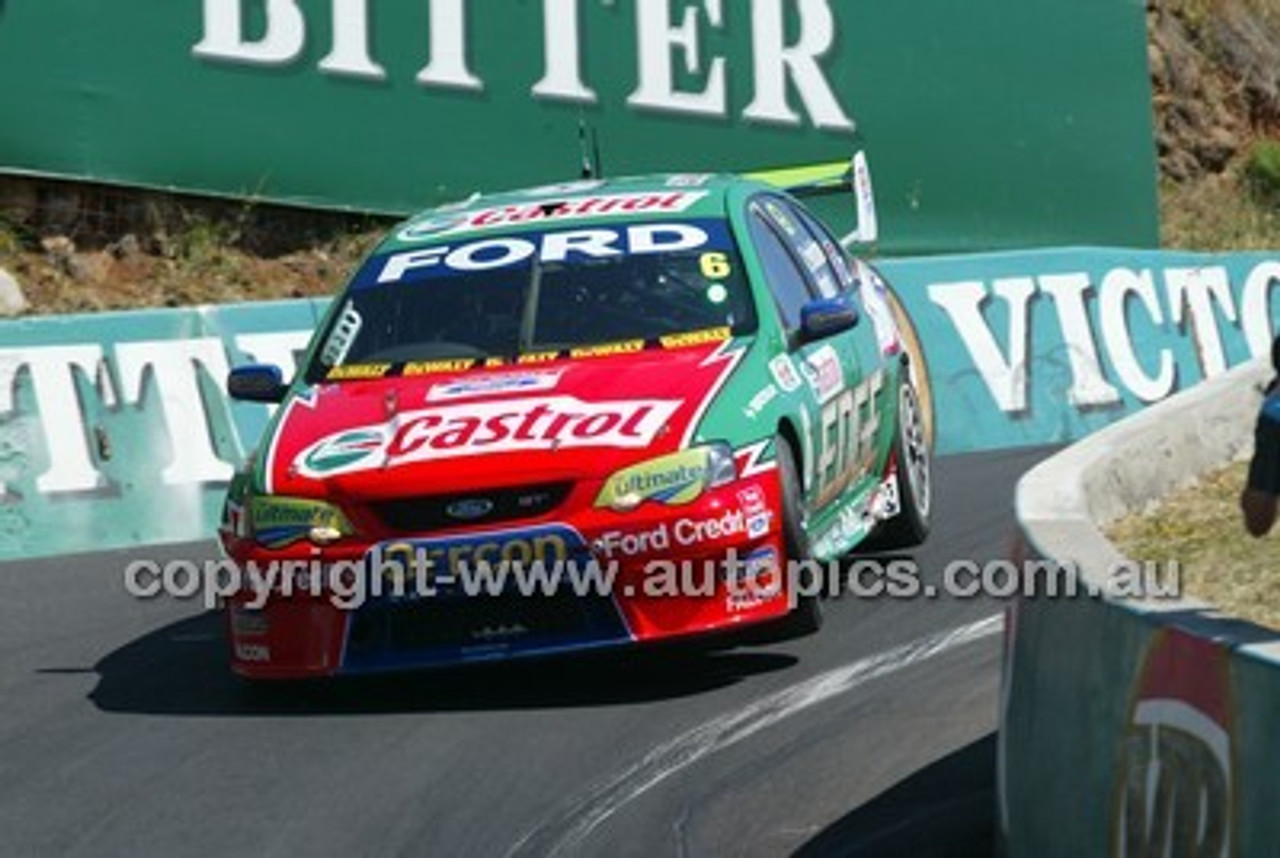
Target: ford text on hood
{"type": "Point", "coordinates": [546, 422]}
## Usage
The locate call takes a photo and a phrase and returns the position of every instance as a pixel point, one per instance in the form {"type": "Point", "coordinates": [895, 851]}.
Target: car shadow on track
{"type": "Point", "coordinates": [946, 809]}
{"type": "Point", "coordinates": [181, 669]}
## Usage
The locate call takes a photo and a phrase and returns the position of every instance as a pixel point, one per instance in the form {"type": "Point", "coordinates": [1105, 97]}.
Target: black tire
{"type": "Point", "coordinates": [911, 452]}
{"type": "Point", "coordinates": [806, 617]}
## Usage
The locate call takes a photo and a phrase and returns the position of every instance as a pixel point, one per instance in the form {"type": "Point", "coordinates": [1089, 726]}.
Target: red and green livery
{"type": "Point", "coordinates": [627, 373]}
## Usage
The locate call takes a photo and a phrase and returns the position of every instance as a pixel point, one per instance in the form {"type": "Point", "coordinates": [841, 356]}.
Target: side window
{"type": "Point", "coordinates": [837, 258]}
{"type": "Point", "coordinates": [786, 280]}
{"type": "Point", "coordinates": [805, 243]}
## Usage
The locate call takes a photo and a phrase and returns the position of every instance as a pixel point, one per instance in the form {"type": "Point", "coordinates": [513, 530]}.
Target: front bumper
{"type": "Point", "coordinates": [606, 579]}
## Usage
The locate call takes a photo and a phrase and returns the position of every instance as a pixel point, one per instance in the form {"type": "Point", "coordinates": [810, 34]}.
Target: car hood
{"type": "Point", "coordinates": [512, 425]}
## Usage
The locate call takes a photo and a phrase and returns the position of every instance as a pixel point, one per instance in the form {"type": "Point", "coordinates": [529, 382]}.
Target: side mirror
{"type": "Point", "coordinates": [825, 317]}
{"type": "Point", "coordinates": [259, 382]}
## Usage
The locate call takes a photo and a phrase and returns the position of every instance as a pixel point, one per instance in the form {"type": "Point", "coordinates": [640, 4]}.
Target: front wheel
{"type": "Point", "coordinates": [913, 462]}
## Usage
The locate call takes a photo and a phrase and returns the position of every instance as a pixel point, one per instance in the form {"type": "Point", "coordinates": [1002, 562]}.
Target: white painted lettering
{"type": "Point", "coordinates": [657, 42]}
{"type": "Point", "coordinates": [448, 64]}
{"type": "Point", "coordinates": [279, 348]}
{"type": "Point", "coordinates": [1088, 385]}
{"type": "Point", "coordinates": [1256, 305]}
{"type": "Point", "coordinates": [1005, 377]}
{"type": "Point", "coordinates": [775, 63]}
{"type": "Point", "coordinates": [675, 70]}
{"type": "Point", "coordinates": [53, 371]}
{"type": "Point", "coordinates": [1118, 285]}
{"type": "Point", "coordinates": [224, 39]}
{"type": "Point", "coordinates": [350, 54]}
{"type": "Point", "coordinates": [175, 372]}
{"type": "Point", "coordinates": [563, 54]}
{"type": "Point", "coordinates": [1197, 289]}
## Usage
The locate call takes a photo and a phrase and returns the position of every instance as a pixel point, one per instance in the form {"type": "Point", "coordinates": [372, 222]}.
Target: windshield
{"type": "Point", "coordinates": [537, 292]}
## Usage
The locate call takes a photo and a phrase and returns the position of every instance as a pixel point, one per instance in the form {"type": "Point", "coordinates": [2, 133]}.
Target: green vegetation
{"type": "Point", "coordinates": [1263, 171]}
{"type": "Point", "coordinates": [10, 243]}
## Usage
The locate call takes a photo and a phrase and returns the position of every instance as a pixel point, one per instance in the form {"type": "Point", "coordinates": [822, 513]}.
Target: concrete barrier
{"type": "Point", "coordinates": [1136, 726]}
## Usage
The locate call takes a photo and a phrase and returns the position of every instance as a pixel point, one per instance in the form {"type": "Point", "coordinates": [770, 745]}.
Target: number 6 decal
{"type": "Point", "coordinates": [715, 266]}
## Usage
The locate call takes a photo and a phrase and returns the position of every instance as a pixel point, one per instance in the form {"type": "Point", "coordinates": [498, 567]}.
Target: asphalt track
{"type": "Point", "coordinates": [121, 732]}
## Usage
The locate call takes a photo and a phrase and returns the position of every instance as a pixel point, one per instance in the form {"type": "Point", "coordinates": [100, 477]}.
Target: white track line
{"type": "Point", "coordinates": [585, 815]}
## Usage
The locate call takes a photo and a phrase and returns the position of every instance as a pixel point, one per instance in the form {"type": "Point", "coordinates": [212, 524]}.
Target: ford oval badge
{"type": "Point", "coordinates": [468, 509]}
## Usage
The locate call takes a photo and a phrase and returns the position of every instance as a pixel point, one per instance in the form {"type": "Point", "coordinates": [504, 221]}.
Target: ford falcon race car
{"type": "Point", "coordinates": [597, 414]}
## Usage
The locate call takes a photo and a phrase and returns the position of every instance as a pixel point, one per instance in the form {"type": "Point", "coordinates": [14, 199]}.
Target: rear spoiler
{"type": "Point", "coordinates": [834, 177]}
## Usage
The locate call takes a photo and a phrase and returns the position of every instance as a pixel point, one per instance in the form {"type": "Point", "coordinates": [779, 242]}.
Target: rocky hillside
{"type": "Point", "coordinates": [1215, 70]}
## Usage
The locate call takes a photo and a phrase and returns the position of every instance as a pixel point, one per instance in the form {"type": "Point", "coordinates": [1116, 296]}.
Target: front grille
{"type": "Point", "coordinates": [426, 624]}
{"type": "Point", "coordinates": [427, 513]}
{"type": "Point", "coordinates": [435, 629]}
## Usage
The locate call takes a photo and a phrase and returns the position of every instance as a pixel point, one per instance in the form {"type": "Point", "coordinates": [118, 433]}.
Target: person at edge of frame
{"type": "Point", "coordinates": [1258, 501]}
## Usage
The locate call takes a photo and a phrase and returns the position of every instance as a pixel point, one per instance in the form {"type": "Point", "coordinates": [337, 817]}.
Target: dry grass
{"type": "Point", "coordinates": [1223, 210]}
{"type": "Point", "coordinates": [1200, 528]}
{"type": "Point", "coordinates": [1217, 213]}
{"type": "Point", "coordinates": [1200, 12]}
{"type": "Point", "coordinates": [198, 262]}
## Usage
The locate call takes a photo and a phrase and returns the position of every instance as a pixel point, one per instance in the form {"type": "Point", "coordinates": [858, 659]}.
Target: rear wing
{"type": "Point", "coordinates": [834, 177]}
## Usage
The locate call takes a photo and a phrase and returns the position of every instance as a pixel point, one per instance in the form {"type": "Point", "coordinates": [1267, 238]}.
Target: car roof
{"type": "Point", "coordinates": [630, 198]}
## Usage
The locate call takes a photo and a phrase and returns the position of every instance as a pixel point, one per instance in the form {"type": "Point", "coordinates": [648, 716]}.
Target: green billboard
{"type": "Point", "coordinates": [989, 124]}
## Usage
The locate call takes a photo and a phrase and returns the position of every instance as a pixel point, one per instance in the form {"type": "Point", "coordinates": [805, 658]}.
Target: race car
{"type": "Point", "coordinates": [604, 413]}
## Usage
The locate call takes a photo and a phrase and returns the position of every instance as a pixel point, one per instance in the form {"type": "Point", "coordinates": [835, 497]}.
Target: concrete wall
{"type": "Point", "coordinates": [1134, 725]}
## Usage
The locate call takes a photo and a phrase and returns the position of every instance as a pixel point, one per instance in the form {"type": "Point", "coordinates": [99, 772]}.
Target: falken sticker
{"type": "Point", "coordinates": [494, 385]}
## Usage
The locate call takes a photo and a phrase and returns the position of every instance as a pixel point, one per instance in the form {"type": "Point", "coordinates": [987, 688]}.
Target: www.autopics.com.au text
{"type": "Point", "coordinates": [349, 584]}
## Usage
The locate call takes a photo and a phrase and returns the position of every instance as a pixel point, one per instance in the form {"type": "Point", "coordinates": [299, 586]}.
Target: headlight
{"type": "Point", "coordinates": [276, 522]}
{"type": "Point", "coordinates": [673, 479]}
